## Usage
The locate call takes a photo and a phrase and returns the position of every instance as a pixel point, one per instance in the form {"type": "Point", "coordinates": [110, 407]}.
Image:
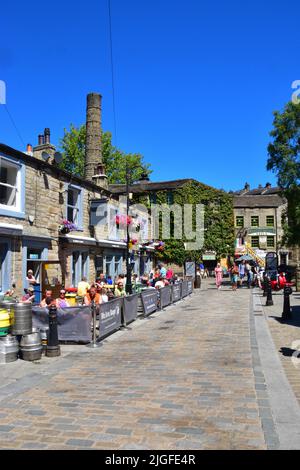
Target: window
{"type": "Point", "coordinates": [75, 259]}
{"type": "Point", "coordinates": [152, 198]}
{"type": "Point", "coordinates": [73, 206]}
{"type": "Point", "coordinates": [255, 242]}
{"type": "Point", "coordinates": [80, 266]}
{"type": "Point", "coordinates": [170, 198]}
{"type": "Point", "coordinates": [239, 221]}
{"type": "Point", "coordinates": [5, 266]}
{"type": "Point", "coordinates": [270, 241]}
{"type": "Point", "coordinates": [99, 265]}
{"type": "Point", "coordinates": [270, 220]}
{"type": "Point", "coordinates": [254, 221]}
{"type": "Point", "coordinates": [12, 188]}
{"type": "Point", "coordinates": [113, 265]}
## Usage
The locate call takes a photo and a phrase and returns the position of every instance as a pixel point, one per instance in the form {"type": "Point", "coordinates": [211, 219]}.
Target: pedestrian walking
{"type": "Point", "coordinates": [242, 272]}
{"type": "Point", "coordinates": [234, 276]}
{"type": "Point", "coordinates": [219, 276]}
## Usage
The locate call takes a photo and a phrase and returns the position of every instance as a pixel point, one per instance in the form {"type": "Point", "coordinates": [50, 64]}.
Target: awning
{"type": "Point", "coordinates": [78, 240]}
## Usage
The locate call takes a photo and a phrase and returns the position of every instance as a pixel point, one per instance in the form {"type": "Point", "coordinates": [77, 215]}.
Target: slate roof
{"type": "Point", "coordinates": [254, 200]}
{"type": "Point", "coordinates": [148, 186]}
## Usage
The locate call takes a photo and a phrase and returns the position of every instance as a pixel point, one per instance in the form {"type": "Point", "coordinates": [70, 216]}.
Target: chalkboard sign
{"type": "Point", "coordinates": [190, 269]}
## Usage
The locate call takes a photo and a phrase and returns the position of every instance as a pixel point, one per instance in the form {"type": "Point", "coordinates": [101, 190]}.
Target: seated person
{"type": "Point", "coordinates": [28, 297]}
{"type": "Point", "coordinates": [103, 294]}
{"type": "Point", "coordinates": [159, 283]}
{"type": "Point", "coordinates": [101, 279]}
{"type": "Point", "coordinates": [119, 290]}
{"type": "Point", "coordinates": [110, 294]}
{"type": "Point", "coordinates": [83, 287]}
{"type": "Point", "coordinates": [10, 292]}
{"type": "Point", "coordinates": [282, 280]}
{"type": "Point", "coordinates": [30, 277]}
{"type": "Point", "coordinates": [48, 294]}
{"type": "Point", "coordinates": [49, 301]}
{"type": "Point", "coordinates": [92, 295]}
{"type": "Point", "coordinates": [62, 302]}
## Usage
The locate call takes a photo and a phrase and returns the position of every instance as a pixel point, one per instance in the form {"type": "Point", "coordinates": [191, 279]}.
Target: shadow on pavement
{"type": "Point", "coordinates": [288, 352]}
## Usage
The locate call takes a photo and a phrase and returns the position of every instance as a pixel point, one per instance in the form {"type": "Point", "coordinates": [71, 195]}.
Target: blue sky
{"type": "Point", "coordinates": [195, 82]}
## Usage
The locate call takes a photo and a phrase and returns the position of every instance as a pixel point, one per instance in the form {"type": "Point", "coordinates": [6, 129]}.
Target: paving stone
{"type": "Point", "coordinates": [80, 442]}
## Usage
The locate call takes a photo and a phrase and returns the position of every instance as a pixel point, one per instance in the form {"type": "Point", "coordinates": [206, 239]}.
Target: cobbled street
{"type": "Point", "coordinates": [189, 377]}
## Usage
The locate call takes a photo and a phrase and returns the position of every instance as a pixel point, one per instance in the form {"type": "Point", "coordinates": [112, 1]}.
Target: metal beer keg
{"type": "Point", "coordinates": [9, 348]}
{"type": "Point", "coordinates": [22, 321]}
{"type": "Point", "coordinates": [6, 316]}
{"type": "Point", "coordinates": [31, 347]}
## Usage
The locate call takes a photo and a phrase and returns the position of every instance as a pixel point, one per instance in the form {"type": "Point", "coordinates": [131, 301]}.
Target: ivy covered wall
{"type": "Point", "coordinates": [218, 221]}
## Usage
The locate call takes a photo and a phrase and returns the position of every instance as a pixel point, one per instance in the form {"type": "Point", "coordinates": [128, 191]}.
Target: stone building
{"type": "Point", "coordinates": [36, 196]}
{"type": "Point", "coordinates": [258, 222]}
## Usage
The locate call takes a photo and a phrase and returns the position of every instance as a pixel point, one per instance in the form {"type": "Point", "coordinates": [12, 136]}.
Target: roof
{"type": "Point", "coordinates": [148, 186]}
{"type": "Point", "coordinates": [253, 201]}
{"type": "Point", "coordinates": [258, 191]}
{"type": "Point", "coordinates": [30, 160]}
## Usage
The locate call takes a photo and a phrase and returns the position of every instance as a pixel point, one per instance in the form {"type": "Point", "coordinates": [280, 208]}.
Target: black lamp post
{"type": "Point", "coordinates": [144, 177]}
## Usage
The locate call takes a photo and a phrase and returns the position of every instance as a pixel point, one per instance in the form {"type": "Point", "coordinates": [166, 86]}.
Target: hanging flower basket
{"type": "Point", "coordinates": [123, 220]}
{"type": "Point", "coordinates": [159, 246]}
{"type": "Point", "coordinates": [67, 227]}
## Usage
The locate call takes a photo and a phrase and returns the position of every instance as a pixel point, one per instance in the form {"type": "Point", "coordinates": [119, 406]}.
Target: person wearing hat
{"type": "Point", "coordinates": [28, 297]}
{"type": "Point", "coordinates": [30, 277]}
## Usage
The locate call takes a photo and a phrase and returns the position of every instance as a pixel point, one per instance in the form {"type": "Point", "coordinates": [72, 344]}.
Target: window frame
{"type": "Point", "coordinates": [273, 239]}
{"type": "Point", "coordinates": [236, 221]}
{"type": "Point", "coordinates": [254, 217]}
{"type": "Point", "coordinates": [273, 223]}
{"type": "Point", "coordinates": [6, 272]}
{"type": "Point", "coordinates": [17, 211]}
{"type": "Point", "coordinates": [79, 206]}
{"type": "Point", "coordinates": [252, 239]}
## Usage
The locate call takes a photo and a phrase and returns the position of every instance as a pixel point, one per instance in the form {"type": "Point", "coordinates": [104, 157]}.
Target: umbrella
{"type": "Point", "coordinates": [245, 258]}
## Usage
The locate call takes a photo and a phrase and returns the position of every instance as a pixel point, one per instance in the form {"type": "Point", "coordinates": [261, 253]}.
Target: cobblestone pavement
{"type": "Point", "coordinates": [187, 378]}
{"type": "Point", "coordinates": [286, 336]}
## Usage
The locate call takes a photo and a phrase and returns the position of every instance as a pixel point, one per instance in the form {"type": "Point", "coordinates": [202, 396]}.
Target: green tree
{"type": "Point", "coordinates": [284, 161]}
{"type": "Point", "coordinates": [73, 150]}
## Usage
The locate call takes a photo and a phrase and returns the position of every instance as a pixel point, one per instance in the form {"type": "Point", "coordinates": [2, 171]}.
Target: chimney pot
{"type": "Point", "coordinates": [47, 135]}
{"type": "Point", "coordinates": [29, 150]}
{"type": "Point", "coordinates": [41, 139]}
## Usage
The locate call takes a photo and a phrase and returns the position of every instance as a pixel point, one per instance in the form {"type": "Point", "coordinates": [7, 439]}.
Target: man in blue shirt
{"type": "Point", "coordinates": [242, 271]}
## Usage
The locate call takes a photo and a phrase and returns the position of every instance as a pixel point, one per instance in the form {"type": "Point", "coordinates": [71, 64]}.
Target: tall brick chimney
{"type": "Point", "coordinates": [93, 166]}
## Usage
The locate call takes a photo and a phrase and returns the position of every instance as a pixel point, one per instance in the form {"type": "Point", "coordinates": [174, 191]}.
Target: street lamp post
{"type": "Point", "coordinates": [128, 264]}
